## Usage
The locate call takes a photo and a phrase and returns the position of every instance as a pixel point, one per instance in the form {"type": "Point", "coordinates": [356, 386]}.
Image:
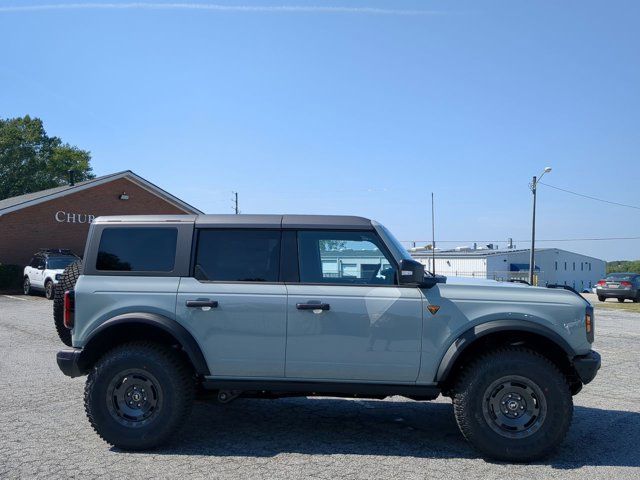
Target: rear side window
{"type": "Point", "coordinates": [137, 249]}
{"type": "Point", "coordinates": [240, 255]}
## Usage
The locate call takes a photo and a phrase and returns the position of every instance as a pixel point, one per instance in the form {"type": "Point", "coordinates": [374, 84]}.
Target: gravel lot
{"type": "Point", "coordinates": [44, 432]}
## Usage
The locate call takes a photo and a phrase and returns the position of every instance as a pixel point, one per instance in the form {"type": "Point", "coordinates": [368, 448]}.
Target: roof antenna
{"type": "Point", "coordinates": [433, 236]}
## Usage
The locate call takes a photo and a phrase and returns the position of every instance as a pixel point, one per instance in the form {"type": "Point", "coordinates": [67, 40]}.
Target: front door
{"type": "Point", "coordinates": [234, 305]}
{"type": "Point", "coordinates": [347, 317]}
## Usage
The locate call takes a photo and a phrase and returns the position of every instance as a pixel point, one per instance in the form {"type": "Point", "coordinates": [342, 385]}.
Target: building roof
{"type": "Point", "coordinates": [29, 199]}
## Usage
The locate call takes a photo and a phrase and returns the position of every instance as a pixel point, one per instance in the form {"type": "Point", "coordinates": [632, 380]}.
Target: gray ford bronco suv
{"type": "Point", "coordinates": [271, 306]}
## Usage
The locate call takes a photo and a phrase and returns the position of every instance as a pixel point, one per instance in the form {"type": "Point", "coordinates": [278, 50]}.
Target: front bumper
{"type": "Point", "coordinates": [69, 362]}
{"type": "Point", "coordinates": [587, 366]}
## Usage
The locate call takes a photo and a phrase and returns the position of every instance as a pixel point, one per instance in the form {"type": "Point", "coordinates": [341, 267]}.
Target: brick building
{"type": "Point", "coordinates": [60, 217]}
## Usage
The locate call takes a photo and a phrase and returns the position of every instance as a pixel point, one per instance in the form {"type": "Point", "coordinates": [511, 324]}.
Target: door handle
{"type": "Point", "coordinates": [313, 306]}
{"type": "Point", "coordinates": [202, 303]}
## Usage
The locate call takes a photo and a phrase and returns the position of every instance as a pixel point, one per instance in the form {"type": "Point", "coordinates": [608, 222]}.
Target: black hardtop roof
{"type": "Point", "coordinates": [344, 222]}
{"type": "Point", "coordinates": [283, 221]}
{"type": "Point", "coordinates": [55, 252]}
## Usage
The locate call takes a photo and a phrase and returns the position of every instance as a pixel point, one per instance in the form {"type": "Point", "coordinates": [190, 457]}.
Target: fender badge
{"type": "Point", "coordinates": [433, 309]}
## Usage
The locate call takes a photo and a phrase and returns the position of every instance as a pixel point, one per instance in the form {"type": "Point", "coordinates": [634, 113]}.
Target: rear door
{"type": "Point", "coordinates": [347, 317]}
{"type": "Point", "coordinates": [234, 303]}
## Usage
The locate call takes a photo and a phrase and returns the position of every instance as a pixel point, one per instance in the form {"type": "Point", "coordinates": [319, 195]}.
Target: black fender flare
{"type": "Point", "coordinates": [471, 335]}
{"type": "Point", "coordinates": [173, 328]}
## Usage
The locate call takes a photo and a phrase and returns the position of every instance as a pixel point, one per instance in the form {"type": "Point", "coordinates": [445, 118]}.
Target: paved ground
{"type": "Point", "coordinates": [44, 433]}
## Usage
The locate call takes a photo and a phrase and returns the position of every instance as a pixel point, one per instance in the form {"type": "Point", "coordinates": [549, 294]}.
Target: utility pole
{"type": "Point", "coordinates": [235, 203]}
{"type": "Point", "coordinates": [532, 257]}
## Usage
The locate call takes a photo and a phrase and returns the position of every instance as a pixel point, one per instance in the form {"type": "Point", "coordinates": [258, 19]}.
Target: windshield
{"type": "Point", "coordinates": [59, 263]}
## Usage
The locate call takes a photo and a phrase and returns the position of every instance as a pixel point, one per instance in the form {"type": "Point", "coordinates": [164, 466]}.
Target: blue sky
{"type": "Point", "coordinates": [363, 109]}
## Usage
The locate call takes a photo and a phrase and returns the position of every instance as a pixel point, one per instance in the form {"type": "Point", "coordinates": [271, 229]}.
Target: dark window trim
{"type": "Point", "coordinates": [181, 261]}
{"type": "Point", "coordinates": [289, 265]}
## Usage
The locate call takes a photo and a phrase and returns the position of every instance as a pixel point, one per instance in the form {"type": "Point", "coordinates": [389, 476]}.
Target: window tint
{"type": "Point", "coordinates": [137, 249]}
{"type": "Point", "coordinates": [343, 257]}
{"type": "Point", "coordinates": [238, 255]}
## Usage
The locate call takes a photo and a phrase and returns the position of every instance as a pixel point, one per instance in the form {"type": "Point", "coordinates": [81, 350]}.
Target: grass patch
{"type": "Point", "coordinates": [614, 305]}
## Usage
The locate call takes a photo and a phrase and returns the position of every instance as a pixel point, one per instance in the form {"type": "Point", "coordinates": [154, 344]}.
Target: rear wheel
{"type": "Point", "coordinates": [138, 395]}
{"type": "Point", "coordinates": [636, 299]}
{"type": "Point", "coordinates": [67, 282]}
{"type": "Point", "coordinates": [513, 405]}
{"type": "Point", "coordinates": [620, 300]}
{"type": "Point", "coordinates": [26, 286]}
{"type": "Point", "coordinates": [601, 298]}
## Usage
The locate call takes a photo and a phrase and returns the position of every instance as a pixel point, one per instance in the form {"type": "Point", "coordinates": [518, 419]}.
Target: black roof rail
{"type": "Point", "coordinates": [60, 251]}
{"type": "Point", "coordinates": [518, 280]}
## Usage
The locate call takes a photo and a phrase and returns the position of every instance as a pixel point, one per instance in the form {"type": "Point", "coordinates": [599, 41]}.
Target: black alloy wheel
{"type": "Point", "coordinates": [514, 406]}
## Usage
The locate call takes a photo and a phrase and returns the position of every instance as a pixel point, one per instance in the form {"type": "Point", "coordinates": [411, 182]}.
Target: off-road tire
{"type": "Point", "coordinates": [470, 400]}
{"type": "Point", "coordinates": [174, 394]}
{"type": "Point", "coordinates": [26, 286]}
{"type": "Point", "coordinates": [67, 282]}
{"type": "Point", "coordinates": [601, 298]}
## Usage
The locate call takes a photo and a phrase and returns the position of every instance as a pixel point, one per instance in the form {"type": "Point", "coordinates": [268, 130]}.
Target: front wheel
{"type": "Point", "coordinates": [26, 286]}
{"type": "Point", "coordinates": [620, 300]}
{"type": "Point", "coordinates": [601, 298]}
{"type": "Point", "coordinates": [48, 290]}
{"type": "Point", "coordinates": [138, 395]}
{"type": "Point", "coordinates": [513, 405]}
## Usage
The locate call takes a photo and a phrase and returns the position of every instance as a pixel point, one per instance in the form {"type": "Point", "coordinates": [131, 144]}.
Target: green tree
{"type": "Point", "coordinates": [623, 266]}
{"type": "Point", "coordinates": [30, 160]}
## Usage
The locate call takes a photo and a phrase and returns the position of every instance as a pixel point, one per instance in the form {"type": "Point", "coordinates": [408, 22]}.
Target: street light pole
{"type": "Point", "coordinates": [532, 257]}
{"type": "Point", "coordinates": [534, 185]}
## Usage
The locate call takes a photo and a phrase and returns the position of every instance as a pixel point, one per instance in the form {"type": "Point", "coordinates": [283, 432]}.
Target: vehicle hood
{"type": "Point", "coordinates": [483, 281]}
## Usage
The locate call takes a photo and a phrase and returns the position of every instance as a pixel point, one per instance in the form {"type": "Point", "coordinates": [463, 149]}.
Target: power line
{"type": "Point", "coordinates": [590, 197]}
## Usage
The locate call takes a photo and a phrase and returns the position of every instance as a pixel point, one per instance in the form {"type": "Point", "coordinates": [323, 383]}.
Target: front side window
{"type": "Point", "coordinates": [137, 249]}
{"type": "Point", "coordinates": [240, 255]}
{"type": "Point", "coordinates": [343, 257]}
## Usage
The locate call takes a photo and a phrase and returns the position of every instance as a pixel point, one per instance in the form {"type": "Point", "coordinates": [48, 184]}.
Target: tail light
{"type": "Point", "coordinates": [602, 283]}
{"type": "Point", "coordinates": [625, 284]}
{"type": "Point", "coordinates": [69, 307]}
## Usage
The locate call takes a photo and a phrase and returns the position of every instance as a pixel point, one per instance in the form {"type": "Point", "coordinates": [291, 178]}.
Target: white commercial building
{"type": "Point", "coordinates": [552, 265]}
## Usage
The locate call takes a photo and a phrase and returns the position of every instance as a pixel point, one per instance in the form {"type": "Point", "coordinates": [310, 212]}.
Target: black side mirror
{"type": "Point", "coordinates": [411, 272]}
{"type": "Point", "coordinates": [431, 280]}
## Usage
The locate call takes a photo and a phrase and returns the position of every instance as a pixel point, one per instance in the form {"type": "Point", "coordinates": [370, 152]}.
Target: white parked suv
{"type": "Point", "coordinates": [45, 269]}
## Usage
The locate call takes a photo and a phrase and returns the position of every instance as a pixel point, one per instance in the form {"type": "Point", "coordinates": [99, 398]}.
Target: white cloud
{"type": "Point", "coordinates": [215, 8]}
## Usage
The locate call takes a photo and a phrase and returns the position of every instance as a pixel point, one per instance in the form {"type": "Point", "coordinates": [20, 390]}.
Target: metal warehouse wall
{"type": "Point", "coordinates": [457, 267]}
